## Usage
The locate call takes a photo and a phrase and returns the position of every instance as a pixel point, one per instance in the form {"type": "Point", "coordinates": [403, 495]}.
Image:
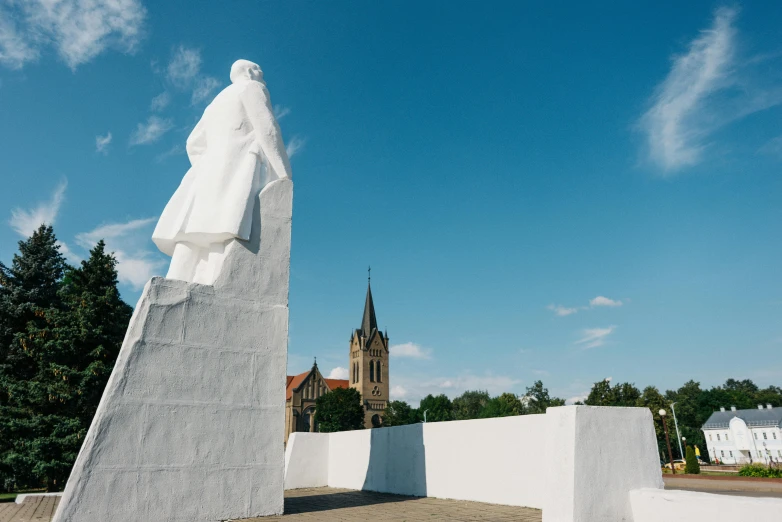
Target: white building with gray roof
{"type": "Point", "coordinates": [745, 436]}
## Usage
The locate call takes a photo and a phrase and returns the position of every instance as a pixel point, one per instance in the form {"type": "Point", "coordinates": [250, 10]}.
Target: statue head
{"type": "Point", "coordinates": [244, 70]}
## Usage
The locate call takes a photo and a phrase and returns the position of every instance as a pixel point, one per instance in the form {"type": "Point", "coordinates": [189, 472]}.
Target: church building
{"type": "Point", "coordinates": [368, 373]}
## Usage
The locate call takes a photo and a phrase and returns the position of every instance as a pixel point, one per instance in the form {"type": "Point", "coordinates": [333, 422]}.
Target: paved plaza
{"type": "Point", "coordinates": [330, 504]}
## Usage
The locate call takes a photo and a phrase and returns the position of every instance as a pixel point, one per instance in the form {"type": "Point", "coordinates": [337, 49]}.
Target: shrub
{"type": "Point", "coordinates": [759, 470]}
{"type": "Point", "coordinates": [691, 465]}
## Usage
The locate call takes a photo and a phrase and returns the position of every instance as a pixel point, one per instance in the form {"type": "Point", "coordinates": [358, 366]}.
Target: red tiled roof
{"type": "Point", "coordinates": [337, 383]}
{"type": "Point", "coordinates": [293, 381]}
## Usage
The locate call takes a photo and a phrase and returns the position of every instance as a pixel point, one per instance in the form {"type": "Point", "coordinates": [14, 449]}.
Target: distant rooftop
{"type": "Point", "coordinates": [754, 418]}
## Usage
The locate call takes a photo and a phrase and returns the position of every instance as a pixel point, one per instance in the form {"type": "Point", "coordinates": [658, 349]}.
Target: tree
{"type": "Point", "coordinates": [469, 404]}
{"type": "Point", "coordinates": [504, 405]}
{"type": "Point", "coordinates": [339, 410]}
{"type": "Point", "coordinates": [399, 413]}
{"type": "Point", "coordinates": [652, 398]}
{"type": "Point", "coordinates": [28, 299]}
{"type": "Point", "coordinates": [691, 462]}
{"type": "Point", "coordinates": [623, 394]}
{"type": "Point", "coordinates": [538, 399]}
{"type": "Point", "coordinates": [437, 408]}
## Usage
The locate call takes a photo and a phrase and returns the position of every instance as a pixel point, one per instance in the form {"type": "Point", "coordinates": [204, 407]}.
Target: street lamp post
{"type": "Point", "coordinates": [425, 416]}
{"type": "Point", "coordinates": [676, 425]}
{"type": "Point", "coordinates": [667, 440]}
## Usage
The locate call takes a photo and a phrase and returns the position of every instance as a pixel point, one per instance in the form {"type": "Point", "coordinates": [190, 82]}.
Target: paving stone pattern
{"type": "Point", "coordinates": [332, 505]}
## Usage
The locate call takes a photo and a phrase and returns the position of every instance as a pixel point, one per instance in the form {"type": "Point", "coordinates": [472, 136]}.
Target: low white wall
{"type": "Point", "coordinates": [654, 505]}
{"type": "Point", "coordinates": [307, 460]}
{"type": "Point", "coordinates": [489, 460]}
{"type": "Point", "coordinates": [577, 463]}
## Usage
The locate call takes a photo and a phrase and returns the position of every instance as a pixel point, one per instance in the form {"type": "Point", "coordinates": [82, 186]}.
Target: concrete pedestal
{"type": "Point", "coordinates": [191, 424]}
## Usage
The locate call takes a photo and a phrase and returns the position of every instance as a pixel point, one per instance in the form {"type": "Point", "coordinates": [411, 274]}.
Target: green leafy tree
{"type": "Point", "coordinates": [538, 399]}
{"type": "Point", "coordinates": [504, 405]}
{"type": "Point", "coordinates": [652, 398]}
{"type": "Point", "coordinates": [691, 464]}
{"type": "Point", "coordinates": [399, 413]}
{"type": "Point", "coordinates": [438, 408]}
{"type": "Point", "coordinates": [469, 404]}
{"type": "Point", "coordinates": [339, 410]}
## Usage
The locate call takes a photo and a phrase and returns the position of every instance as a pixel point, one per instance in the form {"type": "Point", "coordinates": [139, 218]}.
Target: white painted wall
{"type": "Point", "coordinates": [307, 460]}
{"type": "Point", "coordinates": [597, 456]}
{"type": "Point", "coordinates": [577, 463]}
{"type": "Point", "coordinates": [654, 505]}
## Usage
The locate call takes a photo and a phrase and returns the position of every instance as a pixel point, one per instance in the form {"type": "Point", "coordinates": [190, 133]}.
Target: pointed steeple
{"type": "Point", "coordinates": [369, 322]}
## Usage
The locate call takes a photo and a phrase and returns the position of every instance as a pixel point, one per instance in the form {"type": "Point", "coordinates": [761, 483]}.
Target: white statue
{"type": "Point", "coordinates": [235, 150]}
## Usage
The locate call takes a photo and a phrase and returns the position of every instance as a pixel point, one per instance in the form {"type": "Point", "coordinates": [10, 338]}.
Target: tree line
{"type": "Point", "coordinates": [61, 329]}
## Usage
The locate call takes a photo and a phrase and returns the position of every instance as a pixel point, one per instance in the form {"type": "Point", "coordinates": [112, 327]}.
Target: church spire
{"type": "Point", "coordinates": [369, 321]}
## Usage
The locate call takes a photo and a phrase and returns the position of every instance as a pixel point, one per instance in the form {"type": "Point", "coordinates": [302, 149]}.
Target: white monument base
{"type": "Point", "coordinates": [191, 423]}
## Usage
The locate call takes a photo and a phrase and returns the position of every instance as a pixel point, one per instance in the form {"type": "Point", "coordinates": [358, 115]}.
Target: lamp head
{"type": "Point", "coordinates": [662, 413]}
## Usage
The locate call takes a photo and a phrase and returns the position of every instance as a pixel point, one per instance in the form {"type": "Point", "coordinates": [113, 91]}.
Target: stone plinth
{"type": "Point", "coordinates": [190, 425]}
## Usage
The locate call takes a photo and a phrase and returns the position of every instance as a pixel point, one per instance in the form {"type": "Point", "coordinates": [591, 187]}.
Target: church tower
{"type": "Point", "coordinates": [369, 364]}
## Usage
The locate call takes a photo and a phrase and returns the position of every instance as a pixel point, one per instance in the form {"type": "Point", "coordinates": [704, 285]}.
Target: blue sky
{"type": "Point", "coordinates": [562, 192]}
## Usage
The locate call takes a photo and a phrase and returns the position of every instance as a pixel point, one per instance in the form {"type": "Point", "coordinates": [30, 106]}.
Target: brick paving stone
{"type": "Point", "coordinates": [333, 505]}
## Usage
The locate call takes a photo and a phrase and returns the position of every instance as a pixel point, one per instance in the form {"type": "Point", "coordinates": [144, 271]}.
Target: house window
{"type": "Point", "coordinates": [779, 452]}
{"type": "Point", "coordinates": [726, 436]}
{"type": "Point", "coordinates": [722, 453]}
{"type": "Point", "coordinates": [731, 454]}
{"type": "Point", "coordinates": [774, 433]}
{"type": "Point", "coordinates": [709, 436]}
{"type": "Point", "coordinates": [756, 435]}
{"type": "Point", "coordinates": [718, 436]}
{"type": "Point", "coordinates": [765, 437]}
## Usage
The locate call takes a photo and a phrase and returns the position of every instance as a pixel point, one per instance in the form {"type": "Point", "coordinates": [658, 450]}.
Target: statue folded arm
{"type": "Point", "coordinates": [257, 103]}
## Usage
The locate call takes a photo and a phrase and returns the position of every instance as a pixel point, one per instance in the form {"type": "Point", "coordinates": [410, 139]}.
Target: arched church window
{"type": "Point", "coordinates": [376, 421]}
{"type": "Point", "coordinates": [371, 371]}
{"type": "Point", "coordinates": [378, 372]}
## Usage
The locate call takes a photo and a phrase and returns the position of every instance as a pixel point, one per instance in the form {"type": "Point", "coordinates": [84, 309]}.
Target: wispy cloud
{"type": "Point", "coordinates": [413, 388]}
{"type": "Point", "coordinates": [102, 143]}
{"type": "Point", "coordinates": [594, 337]}
{"type": "Point", "coordinates": [79, 30]}
{"type": "Point", "coordinates": [294, 146]}
{"type": "Point", "coordinates": [175, 150]}
{"type": "Point", "coordinates": [151, 131]}
{"type": "Point", "coordinates": [604, 301]}
{"type": "Point", "coordinates": [204, 88]}
{"type": "Point", "coordinates": [27, 221]}
{"type": "Point", "coordinates": [130, 242]}
{"type": "Point", "coordinates": [561, 311]}
{"type": "Point", "coordinates": [280, 112]}
{"type": "Point", "coordinates": [184, 66]}
{"type": "Point", "coordinates": [338, 373]}
{"type": "Point", "coordinates": [160, 101]}
{"type": "Point", "coordinates": [410, 350]}
{"type": "Point", "coordinates": [706, 88]}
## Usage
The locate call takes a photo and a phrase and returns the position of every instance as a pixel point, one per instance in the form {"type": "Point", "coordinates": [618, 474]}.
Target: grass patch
{"type": "Point", "coordinates": [8, 497]}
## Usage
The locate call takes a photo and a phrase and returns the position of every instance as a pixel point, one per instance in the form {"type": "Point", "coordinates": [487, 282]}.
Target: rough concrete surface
{"type": "Point", "coordinates": [190, 425]}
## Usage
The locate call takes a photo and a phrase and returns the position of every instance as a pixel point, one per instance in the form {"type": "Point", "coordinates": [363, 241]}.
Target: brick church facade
{"type": "Point", "coordinates": [367, 370]}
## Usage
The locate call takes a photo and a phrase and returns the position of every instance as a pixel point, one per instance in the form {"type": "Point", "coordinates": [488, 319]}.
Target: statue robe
{"type": "Point", "coordinates": [235, 150]}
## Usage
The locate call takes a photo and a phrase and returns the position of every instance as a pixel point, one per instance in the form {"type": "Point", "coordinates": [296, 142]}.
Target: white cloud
{"type": "Point", "coordinates": [101, 142]}
{"type": "Point", "coordinates": [27, 221]}
{"type": "Point", "coordinates": [203, 89]}
{"type": "Point", "coordinates": [410, 350]}
{"type": "Point", "coordinates": [578, 398]}
{"type": "Point", "coordinates": [706, 88]}
{"type": "Point", "coordinates": [184, 66]}
{"type": "Point", "coordinates": [175, 150]}
{"type": "Point", "coordinates": [280, 112]}
{"type": "Point", "coordinates": [398, 393]}
{"type": "Point", "coordinates": [561, 311]}
{"type": "Point", "coordinates": [338, 373]}
{"type": "Point", "coordinates": [294, 146]}
{"type": "Point", "coordinates": [594, 337]}
{"type": "Point", "coordinates": [604, 301]}
{"type": "Point", "coordinates": [151, 131]}
{"type": "Point", "coordinates": [78, 29]}
{"type": "Point", "coordinates": [129, 241]}
{"type": "Point", "coordinates": [160, 101]}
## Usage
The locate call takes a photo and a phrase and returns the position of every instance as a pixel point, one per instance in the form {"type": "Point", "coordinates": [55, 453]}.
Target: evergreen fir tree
{"type": "Point", "coordinates": [28, 291]}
